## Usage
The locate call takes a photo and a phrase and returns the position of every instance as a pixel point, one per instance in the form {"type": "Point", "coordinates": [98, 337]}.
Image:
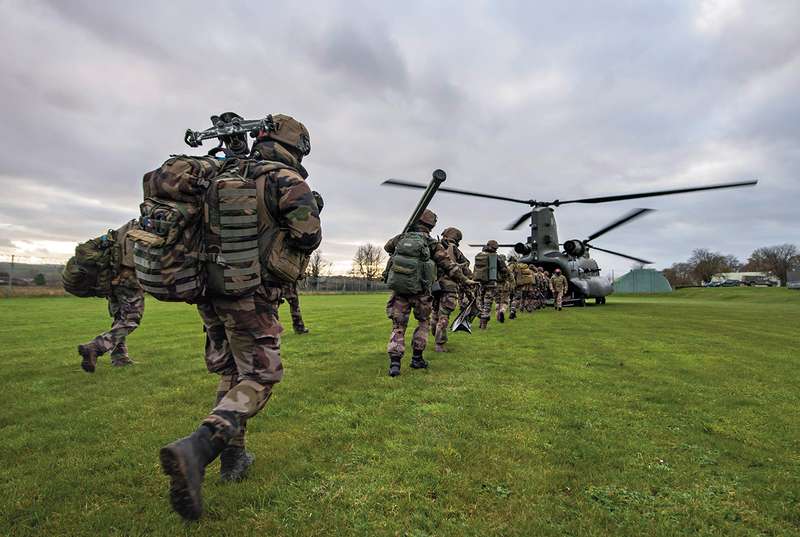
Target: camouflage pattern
{"type": "Point", "coordinates": [505, 289]}
{"type": "Point", "coordinates": [126, 307]}
{"type": "Point", "coordinates": [243, 347]}
{"type": "Point", "coordinates": [290, 295]}
{"type": "Point", "coordinates": [558, 286]}
{"type": "Point", "coordinates": [289, 131]}
{"type": "Point", "coordinates": [487, 295]}
{"type": "Point", "coordinates": [399, 307]}
{"type": "Point", "coordinates": [444, 304]}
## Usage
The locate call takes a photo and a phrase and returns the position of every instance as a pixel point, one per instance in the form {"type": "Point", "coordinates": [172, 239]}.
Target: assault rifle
{"type": "Point", "coordinates": [231, 130]}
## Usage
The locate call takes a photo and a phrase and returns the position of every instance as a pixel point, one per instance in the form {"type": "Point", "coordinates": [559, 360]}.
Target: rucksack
{"type": "Point", "coordinates": [486, 267]}
{"type": "Point", "coordinates": [525, 276]}
{"type": "Point", "coordinates": [411, 270]}
{"type": "Point", "coordinates": [203, 229]}
{"type": "Point", "coordinates": [90, 271]}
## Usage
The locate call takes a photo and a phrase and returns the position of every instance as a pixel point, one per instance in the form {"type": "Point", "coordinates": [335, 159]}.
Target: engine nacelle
{"type": "Point", "coordinates": [575, 248]}
{"type": "Point", "coordinates": [522, 249]}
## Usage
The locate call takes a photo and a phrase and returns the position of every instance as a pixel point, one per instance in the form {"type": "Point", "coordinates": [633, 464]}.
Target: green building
{"type": "Point", "coordinates": [642, 281]}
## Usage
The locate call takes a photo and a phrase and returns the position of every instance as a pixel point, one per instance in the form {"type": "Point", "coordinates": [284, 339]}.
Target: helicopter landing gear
{"type": "Point", "coordinates": [582, 302]}
{"type": "Point", "coordinates": [600, 300]}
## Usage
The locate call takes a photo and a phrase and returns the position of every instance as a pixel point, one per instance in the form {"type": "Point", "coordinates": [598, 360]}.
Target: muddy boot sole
{"type": "Point", "coordinates": [185, 500]}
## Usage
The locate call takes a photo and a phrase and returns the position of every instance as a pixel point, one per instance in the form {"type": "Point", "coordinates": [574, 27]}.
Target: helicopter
{"type": "Point", "coordinates": [542, 249]}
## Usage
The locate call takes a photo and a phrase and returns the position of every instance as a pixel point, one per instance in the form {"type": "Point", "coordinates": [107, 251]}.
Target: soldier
{"type": "Point", "coordinates": [489, 270]}
{"type": "Point", "coordinates": [400, 304]}
{"type": "Point", "coordinates": [446, 299]}
{"type": "Point", "coordinates": [290, 295]}
{"type": "Point", "coordinates": [541, 283]}
{"type": "Point", "coordinates": [558, 286]}
{"type": "Point", "coordinates": [125, 305]}
{"type": "Point", "coordinates": [545, 288]}
{"type": "Point", "coordinates": [505, 291]}
{"type": "Point", "coordinates": [243, 333]}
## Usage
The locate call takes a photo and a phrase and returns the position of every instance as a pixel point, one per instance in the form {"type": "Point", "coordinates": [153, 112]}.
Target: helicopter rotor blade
{"type": "Point", "coordinates": [643, 261]}
{"type": "Point", "coordinates": [633, 215]}
{"type": "Point", "coordinates": [499, 245]}
{"type": "Point", "coordinates": [518, 222]}
{"type": "Point", "coordinates": [604, 199]}
{"type": "Point", "coordinates": [409, 184]}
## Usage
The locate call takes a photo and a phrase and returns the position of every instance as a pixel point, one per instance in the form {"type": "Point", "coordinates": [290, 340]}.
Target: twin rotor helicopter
{"type": "Point", "coordinates": [542, 249]}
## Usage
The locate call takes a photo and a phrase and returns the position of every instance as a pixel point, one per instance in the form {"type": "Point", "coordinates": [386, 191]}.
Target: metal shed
{"type": "Point", "coordinates": [642, 281]}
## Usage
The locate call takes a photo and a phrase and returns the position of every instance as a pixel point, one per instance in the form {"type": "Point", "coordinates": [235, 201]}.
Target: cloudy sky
{"type": "Point", "coordinates": [525, 99]}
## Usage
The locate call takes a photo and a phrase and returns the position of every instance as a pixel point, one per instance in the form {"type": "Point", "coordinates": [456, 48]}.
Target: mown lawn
{"type": "Point", "coordinates": [667, 415]}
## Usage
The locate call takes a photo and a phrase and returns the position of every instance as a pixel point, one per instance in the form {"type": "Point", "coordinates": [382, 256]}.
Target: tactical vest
{"type": "Point", "coordinates": [411, 270]}
{"type": "Point", "coordinates": [486, 267]}
{"type": "Point", "coordinates": [205, 229]}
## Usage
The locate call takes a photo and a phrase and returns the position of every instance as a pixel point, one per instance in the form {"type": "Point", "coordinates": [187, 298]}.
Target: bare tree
{"type": "Point", "coordinates": [706, 263]}
{"type": "Point", "coordinates": [368, 263]}
{"type": "Point", "coordinates": [317, 267]}
{"type": "Point", "coordinates": [680, 275]}
{"type": "Point", "coordinates": [777, 260]}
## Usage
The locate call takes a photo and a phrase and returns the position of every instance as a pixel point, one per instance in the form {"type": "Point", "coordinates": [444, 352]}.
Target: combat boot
{"type": "Point", "coordinates": [394, 366]}
{"type": "Point", "coordinates": [440, 347]}
{"type": "Point", "coordinates": [185, 461]}
{"type": "Point", "coordinates": [234, 462]}
{"type": "Point", "coordinates": [121, 361]}
{"type": "Point", "coordinates": [418, 362]}
{"type": "Point", "coordinates": [89, 353]}
{"type": "Point", "coordinates": [501, 316]}
{"type": "Point", "coordinates": [484, 323]}
{"type": "Point", "coordinates": [513, 315]}
{"type": "Point", "coordinates": [300, 329]}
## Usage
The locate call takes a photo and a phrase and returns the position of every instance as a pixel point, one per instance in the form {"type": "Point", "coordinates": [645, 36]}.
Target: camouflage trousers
{"type": "Point", "coordinates": [243, 338]}
{"type": "Point", "coordinates": [399, 309]}
{"type": "Point", "coordinates": [558, 297]}
{"type": "Point", "coordinates": [126, 306]}
{"type": "Point", "coordinates": [503, 301]}
{"type": "Point", "coordinates": [290, 295]}
{"type": "Point", "coordinates": [444, 304]}
{"type": "Point", "coordinates": [488, 295]}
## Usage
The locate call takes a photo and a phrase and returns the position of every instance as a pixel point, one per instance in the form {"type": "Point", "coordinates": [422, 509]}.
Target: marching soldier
{"type": "Point", "coordinates": [505, 291]}
{"type": "Point", "coordinates": [125, 305]}
{"type": "Point", "coordinates": [290, 295]}
{"type": "Point", "coordinates": [421, 255]}
{"type": "Point", "coordinates": [558, 286]}
{"type": "Point", "coordinates": [490, 269]}
{"type": "Point", "coordinates": [446, 298]}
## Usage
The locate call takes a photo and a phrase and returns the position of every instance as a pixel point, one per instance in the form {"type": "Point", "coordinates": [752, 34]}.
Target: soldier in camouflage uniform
{"type": "Point", "coordinates": [489, 289]}
{"type": "Point", "coordinates": [400, 306]}
{"type": "Point", "coordinates": [446, 299]}
{"type": "Point", "coordinates": [505, 291]}
{"type": "Point", "coordinates": [290, 295]}
{"type": "Point", "coordinates": [243, 333]}
{"type": "Point", "coordinates": [125, 305]}
{"type": "Point", "coordinates": [558, 286]}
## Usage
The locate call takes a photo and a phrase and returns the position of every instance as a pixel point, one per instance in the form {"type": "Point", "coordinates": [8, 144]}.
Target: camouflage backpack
{"type": "Point", "coordinates": [486, 267]}
{"type": "Point", "coordinates": [90, 271]}
{"type": "Point", "coordinates": [201, 229]}
{"type": "Point", "coordinates": [525, 275]}
{"type": "Point", "coordinates": [411, 270]}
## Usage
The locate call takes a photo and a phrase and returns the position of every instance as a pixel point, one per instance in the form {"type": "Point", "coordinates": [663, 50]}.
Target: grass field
{"type": "Point", "coordinates": [666, 415]}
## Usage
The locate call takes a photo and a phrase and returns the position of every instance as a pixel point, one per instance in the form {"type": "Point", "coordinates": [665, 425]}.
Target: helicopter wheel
{"type": "Point", "coordinates": [600, 300]}
{"type": "Point", "coordinates": [582, 302]}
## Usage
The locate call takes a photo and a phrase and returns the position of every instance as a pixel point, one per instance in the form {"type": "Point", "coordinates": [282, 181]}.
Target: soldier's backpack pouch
{"type": "Point", "coordinates": [231, 236]}
{"type": "Point", "coordinates": [168, 250]}
{"type": "Point", "coordinates": [79, 280]}
{"type": "Point", "coordinates": [411, 271]}
{"type": "Point", "coordinates": [526, 276]}
{"type": "Point", "coordinates": [486, 267]}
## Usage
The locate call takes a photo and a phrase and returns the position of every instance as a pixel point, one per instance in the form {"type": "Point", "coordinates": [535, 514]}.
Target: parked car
{"type": "Point", "coordinates": [732, 283]}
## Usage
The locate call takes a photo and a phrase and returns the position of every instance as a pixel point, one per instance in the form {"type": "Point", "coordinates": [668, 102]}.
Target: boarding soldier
{"type": "Point", "coordinates": [490, 270]}
{"type": "Point", "coordinates": [289, 294]}
{"type": "Point", "coordinates": [505, 292]}
{"type": "Point", "coordinates": [446, 297]}
{"type": "Point", "coordinates": [541, 283]}
{"type": "Point", "coordinates": [243, 333]}
{"type": "Point", "coordinates": [418, 255]}
{"type": "Point", "coordinates": [558, 286]}
{"type": "Point", "coordinates": [125, 302]}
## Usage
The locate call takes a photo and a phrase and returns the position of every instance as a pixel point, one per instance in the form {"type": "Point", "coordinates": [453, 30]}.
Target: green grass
{"type": "Point", "coordinates": [667, 415]}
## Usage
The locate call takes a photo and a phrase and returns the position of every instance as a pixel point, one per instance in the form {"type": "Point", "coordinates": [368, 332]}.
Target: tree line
{"type": "Point", "coordinates": [704, 263]}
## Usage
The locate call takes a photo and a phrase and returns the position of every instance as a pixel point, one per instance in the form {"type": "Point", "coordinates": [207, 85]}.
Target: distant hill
{"type": "Point", "coordinates": [27, 271]}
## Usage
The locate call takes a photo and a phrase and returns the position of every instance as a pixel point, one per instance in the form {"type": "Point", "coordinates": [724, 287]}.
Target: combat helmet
{"type": "Point", "coordinates": [492, 245]}
{"type": "Point", "coordinates": [428, 218]}
{"type": "Point", "coordinates": [454, 234]}
{"type": "Point", "coordinates": [288, 131]}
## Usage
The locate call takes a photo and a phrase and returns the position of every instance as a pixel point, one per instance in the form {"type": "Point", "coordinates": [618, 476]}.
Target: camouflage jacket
{"type": "Point", "coordinates": [558, 283]}
{"type": "Point", "coordinates": [288, 196]}
{"type": "Point", "coordinates": [447, 267]}
{"type": "Point", "coordinates": [124, 273]}
{"type": "Point", "coordinates": [446, 282]}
